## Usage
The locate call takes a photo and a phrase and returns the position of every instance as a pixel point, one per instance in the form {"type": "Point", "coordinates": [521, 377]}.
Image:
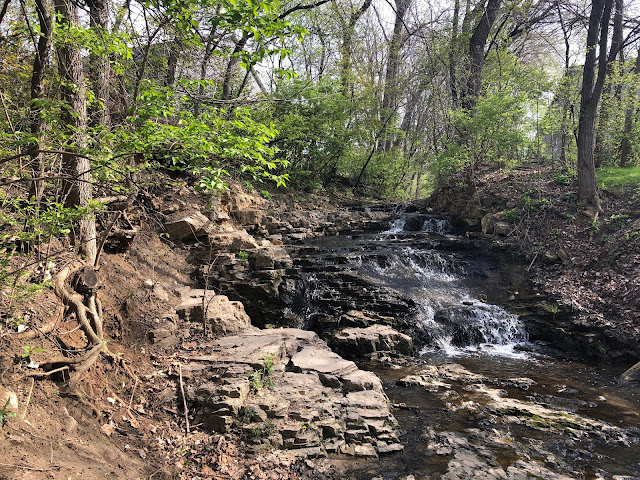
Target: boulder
{"type": "Point", "coordinates": [502, 228]}
{"type": "Point", "coordinates": [224, 316]}
{"type": "Point", "coordinates": [235, 241]}
{"type": "Point", "coordinates": [488, 223]}
{"type": "Point", "coordinates": [183, 226]}
{"type": "Point", "coordinates": [250, 217]}
{"type": "Point", "coordinates": [270, 257]}
{"type": "Point", "coordinates": [352, 342]}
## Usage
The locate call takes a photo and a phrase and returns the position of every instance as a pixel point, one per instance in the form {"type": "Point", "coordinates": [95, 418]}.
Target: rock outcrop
{"type": "Point", "coordinates": [359, 342]}
{"type": "Point", "coordinates": [285, 388]}
{"type": "Point", "coordinates": [222, 316]}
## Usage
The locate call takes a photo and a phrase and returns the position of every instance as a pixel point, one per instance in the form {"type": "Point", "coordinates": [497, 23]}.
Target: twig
{"type": "Point", "coordinates": [24, 413]}
{"type": "Point", "coordinates": [50, 372]}
{"type": "Point", "coordinates": [532, 262]}
{"type": "Point", "coordinates": [133, 393]}
{"type": "Point", "coordinates": [26, 467]}
{"type": "Point", "coordinates": [184, 399]}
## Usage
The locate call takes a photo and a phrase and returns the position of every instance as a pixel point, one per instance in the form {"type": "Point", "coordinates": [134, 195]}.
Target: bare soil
{"type": "Point", "coordinates": [114, 425]}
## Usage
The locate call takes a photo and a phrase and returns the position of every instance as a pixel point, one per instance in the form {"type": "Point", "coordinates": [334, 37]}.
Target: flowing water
{"type": "Point", "coordinates": [478, 401]}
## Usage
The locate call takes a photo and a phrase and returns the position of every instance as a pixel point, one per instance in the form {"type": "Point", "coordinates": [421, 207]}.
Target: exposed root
{"type": "Point", "coordinates": [88, 312]}
{"type": "Point", "coordinates": [75, 301]}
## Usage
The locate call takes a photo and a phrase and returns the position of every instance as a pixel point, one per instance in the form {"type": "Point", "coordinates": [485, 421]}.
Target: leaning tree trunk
{"type": "Point", "coordinates": [77, 188]}
{"type": "Point", "coordinates": [477, 45]}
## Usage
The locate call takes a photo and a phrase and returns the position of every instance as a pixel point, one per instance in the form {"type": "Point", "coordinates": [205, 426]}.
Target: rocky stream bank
{"type": "Point", "coordinates": [345, 341]}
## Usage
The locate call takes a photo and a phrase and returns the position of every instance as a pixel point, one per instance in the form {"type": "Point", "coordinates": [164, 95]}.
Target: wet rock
{"type": "Point", "coordinates": [355, 342]}
{"type": "Point", "coordinates": [632, 375]}
{"type": "Point", "coordinates": [183, 226]}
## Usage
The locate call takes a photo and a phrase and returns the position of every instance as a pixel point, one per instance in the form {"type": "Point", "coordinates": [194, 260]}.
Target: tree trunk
{"type": "Point", "coordinates": [625, 147]}
{"type": "Point", "coordinates": [77, 188]}
{"type": "Point", "coordinates": [453, 46]}
{"type": "Point", "coordinates": [345, 48]}
{"type": "Point", "coordinates": [99, 66]}
{"type": "Point", "coordinates": [605, 108]}
{"type": "Point", "coordinates": [391, 86]}
{"type": "Point", "coordinates": [172, 62]}
{"type": "Point", "coordinates": [597, 35]}
{"type": "Point", "coordinates": [231, 66]}
{"type": "Point", "coordinates": [477, 45]}
{"type": "Point", "coordinates": [37, 92]}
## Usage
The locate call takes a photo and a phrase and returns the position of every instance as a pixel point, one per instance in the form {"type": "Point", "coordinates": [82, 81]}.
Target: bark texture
{"type": "Point", "coordinates": [77, 188]}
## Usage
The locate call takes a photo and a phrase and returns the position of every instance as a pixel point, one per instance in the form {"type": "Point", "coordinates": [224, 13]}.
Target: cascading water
{"type": "Point", "coordinates": [488, 414]}
{"type": "Point", "coordinates": [407, 273]}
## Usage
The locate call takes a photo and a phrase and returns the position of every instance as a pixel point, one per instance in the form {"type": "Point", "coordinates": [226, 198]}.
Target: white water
{"type": "Point", "coordinates": [396, 227]}
{"type": "Point", "coordinates": [456, 322]}
{"type": "Point", "coordinates": [440, 226]}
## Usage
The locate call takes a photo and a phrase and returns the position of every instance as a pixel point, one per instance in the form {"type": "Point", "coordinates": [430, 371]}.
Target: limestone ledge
{"type": "Point", "coordinates": [314, 401]}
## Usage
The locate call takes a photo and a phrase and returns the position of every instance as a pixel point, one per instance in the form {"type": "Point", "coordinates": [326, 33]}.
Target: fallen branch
{"type": "Point", "coordinates": [184, 398]}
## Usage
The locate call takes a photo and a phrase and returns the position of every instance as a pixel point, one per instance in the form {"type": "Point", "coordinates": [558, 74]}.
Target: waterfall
{"type": "Point", "coordinates": [394, 275]}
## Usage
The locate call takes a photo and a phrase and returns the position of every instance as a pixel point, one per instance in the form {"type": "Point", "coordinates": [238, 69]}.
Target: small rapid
{"type": "Point", "coordinates": [452, 319]}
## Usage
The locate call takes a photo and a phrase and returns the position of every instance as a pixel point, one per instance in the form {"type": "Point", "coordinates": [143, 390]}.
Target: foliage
{"type": "Point", "coordinates": [511, 216]}
{"type": "Point", "coordinates": [617, 221]}
{"type": "Point", "coordinates": [4, 413]}
{"type": "Point", "coordinates": [617, 177]}
{"type": "Point", "coordinates": [262, 378]}
{"type": "Point", "coordinates": [207, 146]}
{"type": "Point", "coordinates": [27, 350]}
{"type": "Point", "coordinates": [488, 134]}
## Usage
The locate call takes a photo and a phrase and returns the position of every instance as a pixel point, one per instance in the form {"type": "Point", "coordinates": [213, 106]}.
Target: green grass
{"type": "Point", "coordinates": [617, 178]}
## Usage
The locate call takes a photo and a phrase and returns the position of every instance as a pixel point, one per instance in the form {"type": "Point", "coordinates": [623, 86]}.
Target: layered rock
{"type": "Point", "coordinates": [221, 315]}
{"type": "Point", "coordinates": [284, 388]}
{"type": "Point", "coordinates": [359, 342]}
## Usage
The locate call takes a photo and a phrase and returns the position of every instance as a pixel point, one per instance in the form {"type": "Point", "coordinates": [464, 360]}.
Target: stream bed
{"type": "Point", "coordinates": [480, 399]}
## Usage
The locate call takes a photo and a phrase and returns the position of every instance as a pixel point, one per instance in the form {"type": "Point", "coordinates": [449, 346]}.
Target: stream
{"type": "Point", "coordinates": [480, 399]}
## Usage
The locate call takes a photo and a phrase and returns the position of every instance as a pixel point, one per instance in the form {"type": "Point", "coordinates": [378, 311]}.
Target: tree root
{"type": "Point", "coordinates": [88, 312]}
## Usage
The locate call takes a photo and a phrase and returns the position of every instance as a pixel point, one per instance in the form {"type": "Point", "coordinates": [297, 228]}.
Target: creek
{"type": "Point", "coordinates": [481, 398]}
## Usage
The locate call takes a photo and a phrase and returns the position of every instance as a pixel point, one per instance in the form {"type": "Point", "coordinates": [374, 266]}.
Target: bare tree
{"type": "Point", "coordinates": [592, 86]}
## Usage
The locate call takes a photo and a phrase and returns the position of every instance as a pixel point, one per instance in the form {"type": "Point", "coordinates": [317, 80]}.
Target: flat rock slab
{"type": "Point", "coordinates": [284, 388]}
